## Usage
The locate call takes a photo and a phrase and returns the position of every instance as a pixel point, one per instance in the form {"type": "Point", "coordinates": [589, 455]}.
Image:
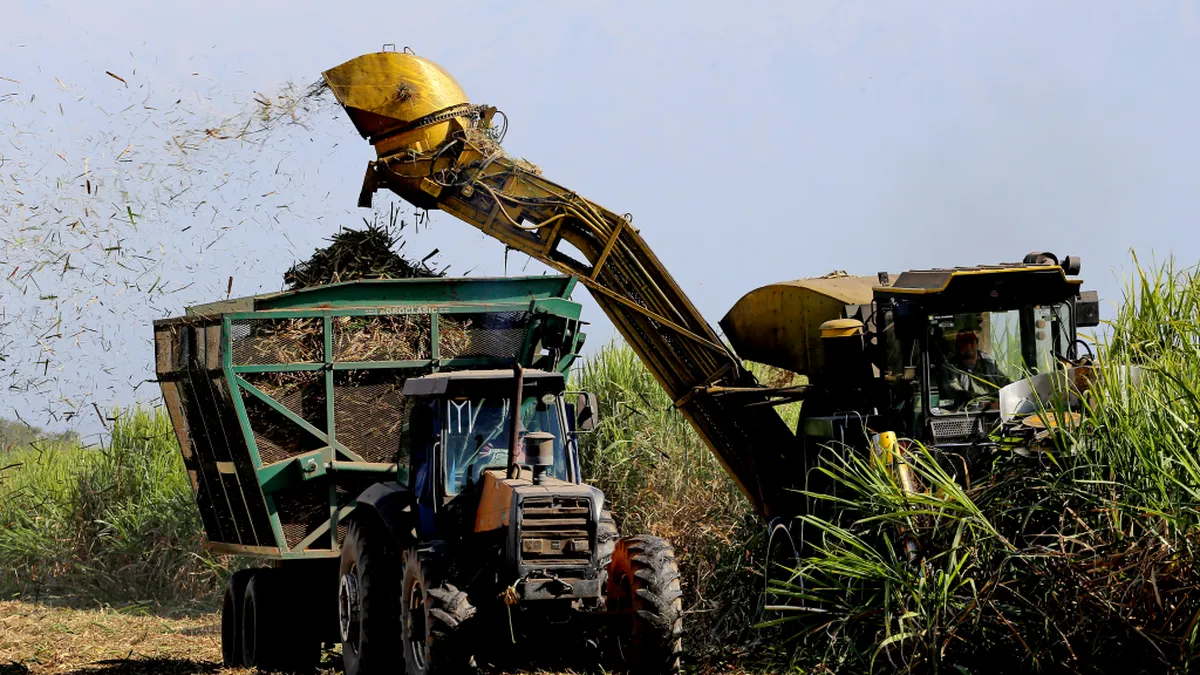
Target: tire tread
{"type": "Point", "coordinates": [657, 604]}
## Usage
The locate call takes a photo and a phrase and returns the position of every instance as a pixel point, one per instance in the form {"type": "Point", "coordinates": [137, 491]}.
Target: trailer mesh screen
{"type": "Point", "coordinates": [302, 509]}
{"type": "Point", "coordinates": [273, 341]}
{"type": "Point", "coordinates": [302, 393]}
{"type": "Point", "coordinates": [277, 437]}
{"type": "Point", "coordinates": [369, 411]}
{"type": "Point", "coordinates": [492, 335]}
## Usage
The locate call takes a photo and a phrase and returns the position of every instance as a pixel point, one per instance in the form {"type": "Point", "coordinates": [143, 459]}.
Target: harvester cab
{"type": "Point", "coordinates": [926, 354]}
{"type": "Point", "coordinates": [948, 343]}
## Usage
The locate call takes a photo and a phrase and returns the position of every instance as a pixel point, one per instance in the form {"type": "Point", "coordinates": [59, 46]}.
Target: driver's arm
{"type": "Point", "coordinates": [948, 383]}
{"type": "Point", "coordinates": [994, 374]}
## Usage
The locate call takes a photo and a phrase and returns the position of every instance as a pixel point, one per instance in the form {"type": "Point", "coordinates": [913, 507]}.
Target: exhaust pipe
{"type": "Point", "coordinates": [514, 434]}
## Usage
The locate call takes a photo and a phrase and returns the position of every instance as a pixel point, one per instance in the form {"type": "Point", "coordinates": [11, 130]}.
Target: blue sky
{"type": "Point", "coordinates": [752, 143]}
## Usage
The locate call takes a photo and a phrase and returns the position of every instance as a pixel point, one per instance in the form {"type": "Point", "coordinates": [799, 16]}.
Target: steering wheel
{"type": "Point", "coordinates": [481, 462]}
{"type": "Point", "coordinates": [979, 403]}
{"type": "Point", "coordinates": [1080, 341]}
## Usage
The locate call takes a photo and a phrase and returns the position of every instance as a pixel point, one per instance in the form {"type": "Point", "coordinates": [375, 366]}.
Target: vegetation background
{"type": "Point", "coordinates": [1078, 560]}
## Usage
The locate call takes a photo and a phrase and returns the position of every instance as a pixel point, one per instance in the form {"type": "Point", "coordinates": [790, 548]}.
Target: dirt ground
{"type": "Point", "coordinates": [41, 639]}
{"type": "Point", "coordinates": [38, 639]}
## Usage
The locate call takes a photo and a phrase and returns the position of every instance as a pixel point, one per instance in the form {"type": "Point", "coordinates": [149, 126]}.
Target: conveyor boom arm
{"type": "Point", "coordinates": [449, 157]}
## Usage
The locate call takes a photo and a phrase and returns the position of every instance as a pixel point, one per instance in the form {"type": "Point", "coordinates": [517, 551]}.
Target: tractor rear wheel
{"type": "Point", "coordinates": [434, 620]}
{"type": "Point", "coordinates": [275, 632]}
{"type": "Point", "coordinates": [643, 584]}
{"type": "Point", "coordinates": [231, 618]}
{"type": "Point", "coordinates": [368, 601]}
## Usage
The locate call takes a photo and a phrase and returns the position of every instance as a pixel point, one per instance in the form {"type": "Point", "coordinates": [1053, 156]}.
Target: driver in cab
{"type": "Point", "coordinates": [970, 374]}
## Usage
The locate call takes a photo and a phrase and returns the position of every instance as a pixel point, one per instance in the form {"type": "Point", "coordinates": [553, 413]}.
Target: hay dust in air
{"type": "Point", "coordinates": [122, 201]}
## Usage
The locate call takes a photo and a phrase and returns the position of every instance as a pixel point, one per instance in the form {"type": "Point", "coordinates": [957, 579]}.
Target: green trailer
{"type": "Point", "coordinates": [288, 405]}
{"type": "Point", "coordinates": [402, 459]}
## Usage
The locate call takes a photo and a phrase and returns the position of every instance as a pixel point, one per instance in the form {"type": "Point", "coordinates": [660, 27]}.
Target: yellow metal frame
{"type": "Point", "coordinates": [460, 168]}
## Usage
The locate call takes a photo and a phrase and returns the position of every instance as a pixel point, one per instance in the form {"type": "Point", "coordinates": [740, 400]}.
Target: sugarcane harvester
{"type": "Point", "coordinates": [879, 352]}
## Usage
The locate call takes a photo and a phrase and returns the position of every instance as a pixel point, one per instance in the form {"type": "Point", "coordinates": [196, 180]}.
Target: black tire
{"type": "Point", "coordinates": [781, 566]}
{"type": "Point", "coordinates": [368, 601]}
{"type": "Point", "coordinates": [276, 636]}
{"type": "Point", "coordinates": [783, 560]}
{"type": "Point", "coordinates": [643, 584]}
{"type": "Point", "coordinates": [435, 618]}
{"type": "Point", "coordinates": [606, 538]}
{"type": "Point", "coordinates": [231, 618]}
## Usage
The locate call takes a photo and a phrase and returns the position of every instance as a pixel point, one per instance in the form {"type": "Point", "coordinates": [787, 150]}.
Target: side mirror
{"type": "Point", "coordinates": [1087, 310]}
{"type": "Point", "coordinates": [587, 411]}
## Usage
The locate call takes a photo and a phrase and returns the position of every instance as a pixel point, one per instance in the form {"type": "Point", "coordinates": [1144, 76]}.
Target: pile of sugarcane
{"type": "Point", "coordinates": [396, 338]}
{"type": "Point", "coordinates": [355, 339]}
{"type": "Point", "coordinates": [371, 253]}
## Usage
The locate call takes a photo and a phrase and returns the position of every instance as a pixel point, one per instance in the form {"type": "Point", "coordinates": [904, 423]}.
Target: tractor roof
{"type": "Point", "coordinates": [982, 287]}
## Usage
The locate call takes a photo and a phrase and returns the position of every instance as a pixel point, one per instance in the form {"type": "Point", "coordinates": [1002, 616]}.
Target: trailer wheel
{"type": "Point", "coordinates": [275, 634]}
{"type": "Point", "coordinates": [643, 583]}
{"type": "Point", "coordinates": [368, 601]}
{"type": "Point", "coordinates": [231, 618]}
{"type": "Point", "coordinates": [435, 618]}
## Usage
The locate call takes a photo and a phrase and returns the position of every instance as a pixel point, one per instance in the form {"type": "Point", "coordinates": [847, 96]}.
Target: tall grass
{"type": "Point", "coordinates": [115, 523]}
{"type": "Point", "coordinates": [1081, 560]}
{"type": "Point", "coordinates": [659, 478]}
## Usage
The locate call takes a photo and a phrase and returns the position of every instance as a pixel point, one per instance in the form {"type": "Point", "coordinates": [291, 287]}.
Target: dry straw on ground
{"type": "Point", "coordinates": [45, 640]}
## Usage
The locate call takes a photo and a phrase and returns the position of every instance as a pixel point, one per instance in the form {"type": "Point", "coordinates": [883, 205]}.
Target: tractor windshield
{"type": "Point", "coordinates": [477, 436]}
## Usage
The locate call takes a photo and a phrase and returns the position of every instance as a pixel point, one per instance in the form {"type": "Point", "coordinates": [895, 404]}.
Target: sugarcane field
{"type": "Point", "coordinates": [787, 338]}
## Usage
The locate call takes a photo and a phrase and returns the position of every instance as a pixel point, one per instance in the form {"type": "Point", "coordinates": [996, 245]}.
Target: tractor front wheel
{"type": "Point", "coordinates": [643, 585]}
{"type": "Point", "coordinates": [368, 601]}
{"type": "Point", "coordinates": [434, 617]}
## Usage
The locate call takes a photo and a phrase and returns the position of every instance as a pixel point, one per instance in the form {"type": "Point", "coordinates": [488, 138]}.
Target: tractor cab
{"type": "Point", "coordinates": [463, 425]}
{"type": "Point", "coordinates": [494, 466]}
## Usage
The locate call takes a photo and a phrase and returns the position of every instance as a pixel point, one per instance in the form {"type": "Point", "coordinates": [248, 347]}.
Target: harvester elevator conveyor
{"type": "Point", "coordinates": [436, 150]}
